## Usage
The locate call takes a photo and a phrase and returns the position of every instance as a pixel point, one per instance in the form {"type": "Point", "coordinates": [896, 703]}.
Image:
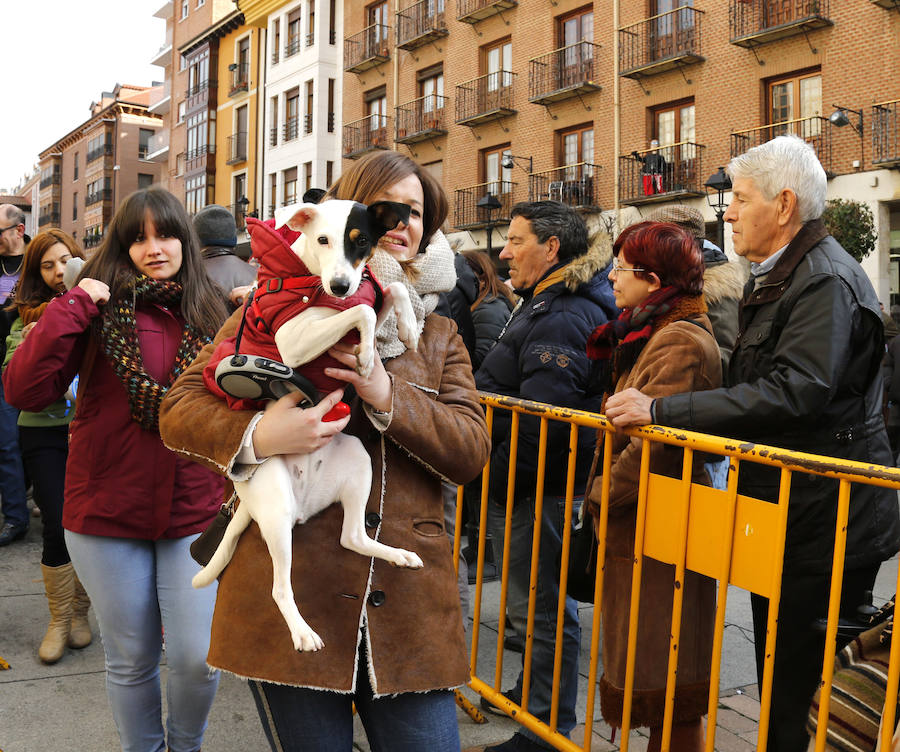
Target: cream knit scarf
{"type": "Point", "coordinates": [434, 274]}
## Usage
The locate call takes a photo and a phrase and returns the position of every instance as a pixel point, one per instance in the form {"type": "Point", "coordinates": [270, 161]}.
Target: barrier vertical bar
{"type": "Point", "coordinates": [635, 591]}
{"type": "Point", "coordinates": [719, 633]}
{"type": "Point", "coordinates": [888, 716]}
{"type": "Point", "coordinates": [677, 598]}
{"type": "Point", "coordinates": [457, 545]}
{"type": "Point", "coordinates": [598, 589]}
{"type": "Point", "coordinates": [765, 700]}
{"type": "Point", "coordinates": [563, 574]}
{"type": "Point", "coordinates": [834, 610]}
{"type": "Point", "coordinates": [535, 549]}
{"type": "Point", "coordinates": [479, 561]}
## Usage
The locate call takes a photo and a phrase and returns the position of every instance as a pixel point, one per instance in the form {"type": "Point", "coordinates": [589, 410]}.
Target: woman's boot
{"type": "Point", "coordinates": [80, 632]}
{"type": "Point", "coordinates": [59, 584]}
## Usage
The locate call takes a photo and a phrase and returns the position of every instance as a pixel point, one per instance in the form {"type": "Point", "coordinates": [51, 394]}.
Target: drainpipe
{"type": "Point", "coordinates": [395, 65]}
{"type": "Point", "coordinates": [262, 136]}
{"type": "Point", "coordinates": [617, 119]}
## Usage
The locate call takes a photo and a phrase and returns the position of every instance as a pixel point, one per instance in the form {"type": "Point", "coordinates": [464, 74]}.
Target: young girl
{"type": "Point", "coordinates": [44, 441]}
{"type": "Point", "coordinates": [142, 310]}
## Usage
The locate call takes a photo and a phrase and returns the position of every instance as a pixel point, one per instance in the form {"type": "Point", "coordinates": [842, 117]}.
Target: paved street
{"type": "Point", "coordinates": [64, 706]}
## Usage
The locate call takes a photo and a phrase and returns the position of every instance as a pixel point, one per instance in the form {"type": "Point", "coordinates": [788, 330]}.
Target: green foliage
{"type": "Point", "coordinates": [853, 226]}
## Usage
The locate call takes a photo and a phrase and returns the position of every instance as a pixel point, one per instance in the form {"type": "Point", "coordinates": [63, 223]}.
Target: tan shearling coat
{"type": "Point", "coordinates": [413, 618]}
{"type": "Point", "coordinates": [680, 356]}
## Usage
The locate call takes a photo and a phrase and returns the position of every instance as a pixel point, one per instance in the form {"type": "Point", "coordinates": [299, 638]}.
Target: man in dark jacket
{"type": "Point", "coordinates": [217, 231]}
{"type": "Point", "coordinates": [541, 356]}
{"type": "Point", "coordinates": [805, 374]}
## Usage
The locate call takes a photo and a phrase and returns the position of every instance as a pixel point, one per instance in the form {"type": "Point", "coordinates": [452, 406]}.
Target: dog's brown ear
{"type": "Point", "coordinates": [386, 215]}
{"type": "Point", "coordinates": [296, 216]}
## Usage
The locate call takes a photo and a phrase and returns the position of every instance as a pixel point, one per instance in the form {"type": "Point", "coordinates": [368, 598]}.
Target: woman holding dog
{"type": "Point", "coordinates": [141, 311]}
{"type": "Point", "coordinates": [662, 344]}
{"type": "Point", "coordinates": [393, 637]}
{"type": "Point", "coordinates": [44, 441]}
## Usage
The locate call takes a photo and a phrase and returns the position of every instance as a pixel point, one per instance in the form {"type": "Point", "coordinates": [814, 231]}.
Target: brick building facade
{"type": "Point", "coordinates": [562, 99]}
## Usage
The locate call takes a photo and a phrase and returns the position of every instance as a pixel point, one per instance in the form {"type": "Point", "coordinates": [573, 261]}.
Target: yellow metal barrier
{"type": "Point", "coordinates": [726, 536]}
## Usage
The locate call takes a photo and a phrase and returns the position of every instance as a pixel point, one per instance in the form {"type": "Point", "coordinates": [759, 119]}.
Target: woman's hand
{"type": "Point", "coordinates": [376, 389]}
{"type": "Point", "coordinates": [27, 328]}
{"type": "Point", "coordinates": [286, 429]}
{"type": "Point", "coordinates": [237, 295]}
{"type": "Point", "coordinates": [99, 291]}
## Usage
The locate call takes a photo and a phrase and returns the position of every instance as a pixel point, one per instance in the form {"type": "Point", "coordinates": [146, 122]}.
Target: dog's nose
{"type": "Point", "coordinates": [340, 286]}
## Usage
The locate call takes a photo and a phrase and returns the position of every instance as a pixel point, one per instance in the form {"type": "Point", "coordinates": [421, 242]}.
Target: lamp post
{"type": "Point", "coordinates": [720, 183]}
{"type": "Point", "coordinates": [839, 118]}
{"type": "Point", "coordinates": [489, 204]}
{"type": "Point", "coordinates": [243, 203]}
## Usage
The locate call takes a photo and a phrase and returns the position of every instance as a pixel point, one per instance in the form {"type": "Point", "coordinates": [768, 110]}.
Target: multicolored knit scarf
{"type": "Point", "coordinates": [616, 345]}
{"type": "Point", "coordinates": [119, 342]}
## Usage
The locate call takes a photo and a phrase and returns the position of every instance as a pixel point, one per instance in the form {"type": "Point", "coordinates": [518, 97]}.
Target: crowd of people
{"type": "Point", "coordinates": [105, 413]}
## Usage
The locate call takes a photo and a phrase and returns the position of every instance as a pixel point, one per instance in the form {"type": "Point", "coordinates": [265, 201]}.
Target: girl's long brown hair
{"type": "Point", "coordinates": [489, 283]}
{"type": "Point", "coordinates": [31, 289]}
{"type": "Point", "coordinates": [201, 302]}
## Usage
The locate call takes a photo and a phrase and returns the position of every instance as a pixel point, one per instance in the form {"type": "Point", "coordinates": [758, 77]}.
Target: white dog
{"type": "Point", "coordinates": [337, 239]}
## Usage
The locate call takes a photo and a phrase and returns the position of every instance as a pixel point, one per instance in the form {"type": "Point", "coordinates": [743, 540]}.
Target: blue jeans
{"type": "Point", "coordinates": [546, 599]}
{"type": "Point", "coordinates": [12, 476]}
{"type": "Point", "coordinates": [296, 719]}
{"type": "Point", "coordinates": [138, 588]}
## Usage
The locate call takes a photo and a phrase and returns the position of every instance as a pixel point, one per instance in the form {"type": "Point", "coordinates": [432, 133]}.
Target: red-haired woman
{"type": "Point", "coordinates": [661, 344]}
{"type": "Point", "coordinates": [44, 440]}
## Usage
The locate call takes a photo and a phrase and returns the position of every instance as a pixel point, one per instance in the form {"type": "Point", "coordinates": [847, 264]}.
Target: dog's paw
{"type": "Point", "coordinates": [408, 332]}
{"type": "Point", "coordinates": [365, 359]}
{"type": "Point", "coordinates": [308, 641]}
{"type": "Point", "coordinates": [408, 559]}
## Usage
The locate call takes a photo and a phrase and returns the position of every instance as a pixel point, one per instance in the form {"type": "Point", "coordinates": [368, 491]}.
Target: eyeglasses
{"type": "Point", "coordinates": [616, 267]}
{"type": "Point", "coordinates": [4, 229]}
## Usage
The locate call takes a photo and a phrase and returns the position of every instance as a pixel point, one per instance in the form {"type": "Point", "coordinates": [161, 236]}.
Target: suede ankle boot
{"type": "Point", "coordinates": [80, 631]}
{"type": "Point", "coordinates": [59, 584]}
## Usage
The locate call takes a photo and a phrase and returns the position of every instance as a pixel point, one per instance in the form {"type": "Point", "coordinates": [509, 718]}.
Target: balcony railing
{"type": "Point", "coordinates": [420, 24]}
{"type": "Point", "coordinates": [192, 91]}
{"type": "Point", "coordinates": [485, 98]}
{"type": "Point", "coordinates": [473, 11]}
{"type": "Point", "coordinates": [310, 39]}
{"type": "Point", "coordinates": [48, 218]}
{"type": "Point", "coordinates": [660, 43]}
{"type": "Point", "coordinates": [292, 47]}
{"type": "Point", "coordinates": [661, 174]}
{"type": "Point", "coordinates": [889, 4]}
{"type": "Point", "coordinates": [53, 179]}
{"type": "Point", "coordinates": [100, 151]}
{"type": "Point", "coordinates": [104, 194]}
{"type": "Point", "coordinates": [199, 151]}
{"type": "Point", "coordinates": [291, 128]}
{"type": "Point", "coordinates": [271, 211]}
{"type": "Point", "coordinates": [160, 99]}
{"type": "Point", "coordinates": [239, 217]}
{"type": "Point", "coordinates": [886, 133]}
{"type": "Point", "coordinates": [755, 22]}
{"type": "Point", "coordinates": [92, 239]}
{"type": "Point", "coordinates": [575, 185]}
{"type": "Point", "coordinates": [421, 119]}
{"type": "Point", "coordinates": [273, 136]}
{"type": "Point", "coordinates": [240, 79]}
{"type": "Point", "coordinates": [307, 124]}
{"type": "Point", "coordinates": [816, 131]}
{"type": "Point", "coordinates": [237, 147]}
{"type": "Point", "coordinates": [469, 216]}
{"type": "Point", "coordinates": [567, 72]}
{"type": "Point", "coordinates": [368, 48]}
{"type": "Point", "coordinates": [365, 135]}
{"type": "Point", "coordinates": [158, 147]}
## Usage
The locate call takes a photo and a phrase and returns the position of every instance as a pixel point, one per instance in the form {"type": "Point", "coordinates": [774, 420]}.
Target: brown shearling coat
{"type": "Point", "coordinates": [680, 356]}
{"type": "Point", "coordinates": [413, 618]}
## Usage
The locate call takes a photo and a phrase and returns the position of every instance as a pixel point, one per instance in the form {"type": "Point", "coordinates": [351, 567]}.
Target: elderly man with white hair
{"type": "Point", "coordinates": [805, 374]}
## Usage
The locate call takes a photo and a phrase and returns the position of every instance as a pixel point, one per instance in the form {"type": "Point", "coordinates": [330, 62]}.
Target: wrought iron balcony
{"type": "Point", "coordinates": [292, 47]}
{"type": "Point", "coordinates": [421, 23]}
{"type": "Point", "coordinates": [660, 43]}
{"type": "Point", "coordinates": [421, 119]}
{"type": "Point", "coordinates": [473, 11]}
{"type": "Point", "coordinates": [755, 22]}
{"type": "Point", "coordinates": [53, 179]}
{"type": "Point", "coordinates": [240, 217]}
{"type": "Point", "coordinates": [307, 124]}
{"type": "Point", "coordinates": [485, 98]}
{"type": "Point", "coordinates": [889, 4]}
{"type": "Point", "coordinates": [365, 135]}
{"type": "Point", "coordinates": [201, 87]}
{"type": "Point", "coordinates": [240, 79]}
{"type": "Point", "coordinates": [48, 218]}
{"type": "Point", "coordinates": [886, 133]}
{"type": "Point", "coordinates": [310, 39]}
{"type": "Point", "coordinates": [200, 151]}
{"type": "Point", "coordinates": [816, 131]}
{"type": "Point", "coordinates": [104, 194]}
{"type": "Point", "coordinates": [273, 136]}
{"type": "Point", "coordinates": [470, 216]}
{"type": "Point", "coordinates": [368, 48]}
{"type": "Point", "coordinates": [567, 72]}
{"type": "Point", "coordinates": [100, 151]}
{"type": "Point", "coordinates": [237, 147]}
{"type": "Point", "coordinates": [291, 128]}
{"type": "Point", "coordinates": [575, 185]}
{"type": "Point", "coordinates": [92, 238]}
{"type": "Point", "coordinates": [662, 174]}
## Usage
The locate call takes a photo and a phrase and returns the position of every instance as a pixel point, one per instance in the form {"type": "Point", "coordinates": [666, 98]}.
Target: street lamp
{"type": "Point", "coordinates": [489, 203]}
{"type": "Point", "coordinates": [839, 119]}
{"type": "Point", "coordinates": [510, 159]}
{"type": "Point", "coordinates": [720, 183]}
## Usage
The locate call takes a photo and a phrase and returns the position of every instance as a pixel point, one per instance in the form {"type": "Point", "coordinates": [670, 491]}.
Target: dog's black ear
{"type": "Point", "coordinates": [386, 215]}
